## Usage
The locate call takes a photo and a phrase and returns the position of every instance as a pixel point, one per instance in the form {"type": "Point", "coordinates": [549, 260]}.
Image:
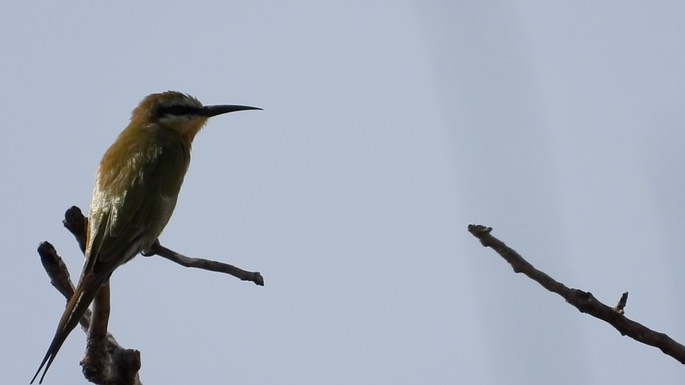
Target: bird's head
{"type": "Point", "coordinates": [178, 111]}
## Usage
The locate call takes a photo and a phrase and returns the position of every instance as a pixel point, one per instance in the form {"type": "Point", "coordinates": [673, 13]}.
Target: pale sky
{"type": "Point", "coordinates": [387, 128]}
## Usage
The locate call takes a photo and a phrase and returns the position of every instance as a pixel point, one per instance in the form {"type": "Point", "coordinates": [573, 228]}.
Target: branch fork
{"type": "Point", "coordinates": [105, 362]}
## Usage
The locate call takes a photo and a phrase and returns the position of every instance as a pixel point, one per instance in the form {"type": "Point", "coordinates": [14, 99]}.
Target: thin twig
{"type": "Point", "coordinates": [76, 223]}
{"type": "Point", "coordinates": [620, 307]}
{"type": "Point", "coordinates": [582, 300]}
{"type": "Point", "coordinates": [207, 264]}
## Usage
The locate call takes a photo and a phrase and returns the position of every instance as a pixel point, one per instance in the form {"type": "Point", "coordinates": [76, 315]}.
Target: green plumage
{"type": "Point", "coordinates": [135, 193]}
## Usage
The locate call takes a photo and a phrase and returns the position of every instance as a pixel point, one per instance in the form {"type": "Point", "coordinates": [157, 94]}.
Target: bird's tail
{"type": "Point", "coordinates": [76, 307]}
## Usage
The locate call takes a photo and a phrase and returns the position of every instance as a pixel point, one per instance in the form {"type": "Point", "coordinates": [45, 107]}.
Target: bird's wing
{"type": "Point", "coordinates": [145, 197]}
{"type": "Point", "coordinates": [132, 202]}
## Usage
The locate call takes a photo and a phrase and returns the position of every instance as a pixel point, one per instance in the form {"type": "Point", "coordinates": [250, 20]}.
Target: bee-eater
{"type": "Point", "coordinates": [135, 192]}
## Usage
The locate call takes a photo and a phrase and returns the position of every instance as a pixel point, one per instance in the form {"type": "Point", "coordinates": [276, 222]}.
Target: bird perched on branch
{"type": "Point", "coordinates": [135, 193]}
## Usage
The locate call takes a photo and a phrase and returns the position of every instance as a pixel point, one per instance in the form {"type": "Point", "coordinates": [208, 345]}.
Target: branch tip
{"type": "Point", "coordinates": [582, 300]}
{"type": "Point", "coordinates": [620, 307]}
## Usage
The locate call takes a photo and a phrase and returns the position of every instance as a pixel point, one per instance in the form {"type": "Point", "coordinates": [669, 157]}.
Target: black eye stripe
{"type": "Point", "coordinates": [175, 110]}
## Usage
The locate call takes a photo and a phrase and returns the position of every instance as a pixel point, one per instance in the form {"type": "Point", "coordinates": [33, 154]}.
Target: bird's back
{"type": "Point", "coordinates": [135, 193]}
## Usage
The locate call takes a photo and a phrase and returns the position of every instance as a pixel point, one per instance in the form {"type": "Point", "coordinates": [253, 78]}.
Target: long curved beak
{"type": "Point", "coordinates": [210, 111]}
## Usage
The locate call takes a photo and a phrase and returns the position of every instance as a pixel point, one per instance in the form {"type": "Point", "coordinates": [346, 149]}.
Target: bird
{"type": "Point", "coordinates": [136, 189]}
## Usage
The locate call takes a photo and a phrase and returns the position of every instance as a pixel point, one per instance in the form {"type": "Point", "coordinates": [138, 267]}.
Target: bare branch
{"type": "Point", "coordinates": [97, 365]}
{"type": "Point", "coordinates": [206, 264]}
{"type": "Point", "coordinates": [122, 364]}
{"type": "Point", "coordinates": [583, 301]}
{"type": "Point", "coordinates": [56, 269]}
{"type": "Point", "coordinates": [105, 361]}
{"type": "Point", "coordinates": [76, 223]}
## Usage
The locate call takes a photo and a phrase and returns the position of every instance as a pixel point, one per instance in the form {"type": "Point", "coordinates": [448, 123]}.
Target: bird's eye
{"type": "Point", "coordinates": [176, 110]}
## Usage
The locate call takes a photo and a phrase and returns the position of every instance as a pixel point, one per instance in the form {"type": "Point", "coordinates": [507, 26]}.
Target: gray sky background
{"type": "Point", "coordinates": [388, 128]}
